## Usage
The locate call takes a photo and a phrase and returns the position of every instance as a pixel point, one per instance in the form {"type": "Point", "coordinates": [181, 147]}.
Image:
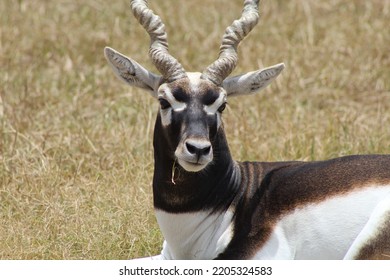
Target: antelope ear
{"type": "Point", "coordinates": [131, 72]}
{"type": "Point", "coordinates": [251, 82]}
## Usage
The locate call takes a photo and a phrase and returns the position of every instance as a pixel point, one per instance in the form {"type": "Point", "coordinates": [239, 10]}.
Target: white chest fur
{"type": "Point", "coordinates": [198, 235]}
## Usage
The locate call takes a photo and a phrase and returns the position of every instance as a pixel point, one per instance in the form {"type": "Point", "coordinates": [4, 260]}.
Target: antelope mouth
{"type": "Point", "coordinates": [192, 166]}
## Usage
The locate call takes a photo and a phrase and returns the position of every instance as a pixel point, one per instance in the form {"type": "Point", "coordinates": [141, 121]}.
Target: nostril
{"type": "Point", "coordinates": [205, 151]}
{"type": "Point", "coordinates": [191, 148]}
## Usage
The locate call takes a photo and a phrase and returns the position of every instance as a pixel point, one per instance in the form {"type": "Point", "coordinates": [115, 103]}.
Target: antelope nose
{"type": "Point", "coordinates": [198, 148]}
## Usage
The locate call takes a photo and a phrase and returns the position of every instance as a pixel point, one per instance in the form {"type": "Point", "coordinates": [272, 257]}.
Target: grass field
{"type": "Point", "coordinates": [76, 144]}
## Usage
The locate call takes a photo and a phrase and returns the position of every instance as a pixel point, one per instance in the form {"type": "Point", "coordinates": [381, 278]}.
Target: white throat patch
{"type": "Point", "coordinates": [198, 235]}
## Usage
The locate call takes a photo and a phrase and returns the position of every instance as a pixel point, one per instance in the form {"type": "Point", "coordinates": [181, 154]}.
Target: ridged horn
{"type": "Point", "coordinates": [234, 34]}
{"type": "Point", "coordinates": [166, 64]}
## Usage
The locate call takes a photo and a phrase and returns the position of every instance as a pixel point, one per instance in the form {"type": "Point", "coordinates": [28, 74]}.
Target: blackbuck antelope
{"type": "Point", "coordinates": [209, 206]}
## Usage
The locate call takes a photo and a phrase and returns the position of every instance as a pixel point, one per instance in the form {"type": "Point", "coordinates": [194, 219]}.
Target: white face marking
{"type": "Point", "coordinates": [190, 167]}
{"type": "Point", "coordinates": [213, 108]}
{"type": "Point", "coordinates": [165, 93]}
{"type": "Point", "coordinates": [166, 116]}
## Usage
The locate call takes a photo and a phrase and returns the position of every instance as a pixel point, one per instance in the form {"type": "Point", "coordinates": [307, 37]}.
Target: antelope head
{"type": "Point", "coordinates": [191, 104]}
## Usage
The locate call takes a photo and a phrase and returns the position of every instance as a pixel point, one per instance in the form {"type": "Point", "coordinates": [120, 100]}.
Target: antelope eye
{"type": "Point", "coordinates": [164, 104]}
{"type": "Point", "coordinates": [222, 107]}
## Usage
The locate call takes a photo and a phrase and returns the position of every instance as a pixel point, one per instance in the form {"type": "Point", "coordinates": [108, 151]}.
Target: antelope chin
{"type": "Point", "coordinates": [191, 166]}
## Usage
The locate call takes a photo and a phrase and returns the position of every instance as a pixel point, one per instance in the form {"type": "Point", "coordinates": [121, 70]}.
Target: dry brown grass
{"type": "Point", "coordinates": [75, 144]}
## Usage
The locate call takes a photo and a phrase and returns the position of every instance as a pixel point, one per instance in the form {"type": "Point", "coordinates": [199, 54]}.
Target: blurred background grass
{"type": "Point", "coordinates": [76, 144]}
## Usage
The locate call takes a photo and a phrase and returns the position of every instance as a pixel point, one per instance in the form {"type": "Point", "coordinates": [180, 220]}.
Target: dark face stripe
{"type": "Point", "coordinates": [210, 97]}
{"type": "Point", "coordinates": [180, 95]}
